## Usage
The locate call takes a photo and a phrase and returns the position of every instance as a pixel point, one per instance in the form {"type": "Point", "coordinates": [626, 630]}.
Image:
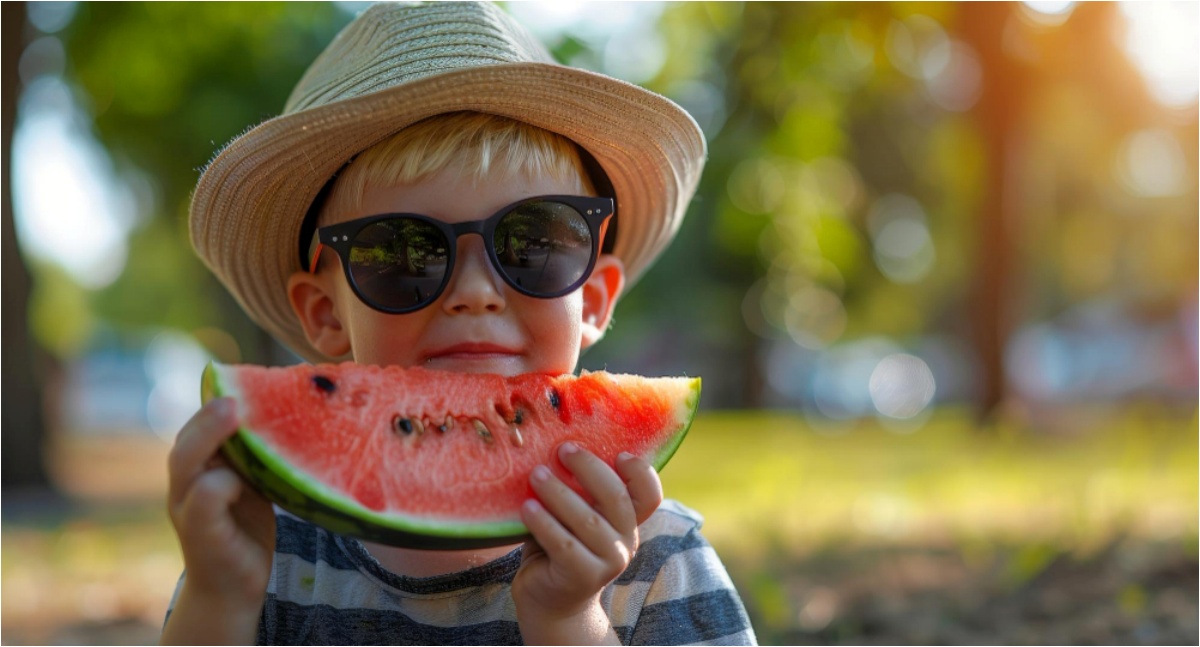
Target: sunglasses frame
{"type": "Point", "coordinates": [596, 212]}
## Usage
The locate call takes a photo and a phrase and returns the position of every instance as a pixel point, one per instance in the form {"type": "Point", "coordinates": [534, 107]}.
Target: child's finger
{"type": "Point", "coordinates": [206, 506]}
{"type": "Point", "coordinates": [555, 540]}
{"type": "Point", "coordinates": [602, 483]}
{"type": "Point", "coordinates": [645, 488]}
{"type": "Point", "coordinates": [196, 443]}
{"type": "Point", "coordinates": [582, 520]}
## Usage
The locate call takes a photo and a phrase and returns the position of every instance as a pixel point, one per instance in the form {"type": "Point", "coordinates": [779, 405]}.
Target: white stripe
{"type": "Point", "coordinates": [671, 518]}
{"type": "Point", "coordinates": [687, 573]}
{"type": "Point", "coordinates": [304, 583]}
{"type": "Point", "coordinates": [619, 600]}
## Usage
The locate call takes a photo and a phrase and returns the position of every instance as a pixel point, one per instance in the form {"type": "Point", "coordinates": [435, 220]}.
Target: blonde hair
{"type": "Point", "coordinates": [478, 144]}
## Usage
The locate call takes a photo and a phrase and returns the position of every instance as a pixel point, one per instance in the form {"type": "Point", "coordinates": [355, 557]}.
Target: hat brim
{"type": "Point", "coordinates": [247, 210]}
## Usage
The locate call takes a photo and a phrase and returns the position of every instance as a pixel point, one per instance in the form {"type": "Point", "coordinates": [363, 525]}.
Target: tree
{"type": "Point", "coordinates": [24, 364]}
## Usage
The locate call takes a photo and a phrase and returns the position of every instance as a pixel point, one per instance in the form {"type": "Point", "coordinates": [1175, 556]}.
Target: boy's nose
{"type": "Point", "coordinates": [474, 286]}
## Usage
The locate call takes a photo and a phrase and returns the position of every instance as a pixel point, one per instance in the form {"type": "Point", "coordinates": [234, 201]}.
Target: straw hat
{"type": "Point", "coordinates": [397, 64]}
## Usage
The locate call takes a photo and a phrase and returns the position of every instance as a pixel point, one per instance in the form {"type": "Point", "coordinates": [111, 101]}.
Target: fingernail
{"type": "Point", "coordinates": [541, 473]}
{"type": "Point", "coordinates": [624, 456]}
{"type": "Point", "coordinates": [532, 506]}
{"type": "Point", "coordinates": [568, 448]}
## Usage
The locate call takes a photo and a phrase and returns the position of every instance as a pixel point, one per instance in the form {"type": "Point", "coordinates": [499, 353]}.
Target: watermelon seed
{"type": "Point", "coordinates": [518, 417]}
{"type": "Point", "coordinates": [402, 424]}
{"type": "Point", "coordinates": [419, 425]}
{"type": "Point", "coordinates": [516, 437]}
{"type": "Point", "coordinates": [323, 383]}
{"type": "Point", "coordinates": [554, 401]}
{"type": "Point", "coordinates": [445, 426]}
{"type": "Point", "coordinates": [482, 430]}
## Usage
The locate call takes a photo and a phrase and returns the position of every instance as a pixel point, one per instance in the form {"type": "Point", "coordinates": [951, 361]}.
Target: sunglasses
{"type": "Point", "coordinates": [543, 247]}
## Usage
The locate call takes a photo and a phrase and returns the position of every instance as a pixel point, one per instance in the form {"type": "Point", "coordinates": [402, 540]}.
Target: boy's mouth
{"type": "Point", "coordinates": [471, 351]}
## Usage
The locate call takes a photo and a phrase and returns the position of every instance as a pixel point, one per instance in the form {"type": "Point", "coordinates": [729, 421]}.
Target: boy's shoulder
{"type": "Point", "coordinates": [672, 518]}
{"type": "Point", "coordinates": [670, 539]}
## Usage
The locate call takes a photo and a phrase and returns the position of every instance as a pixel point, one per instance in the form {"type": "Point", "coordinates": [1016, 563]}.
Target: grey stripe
{"type": "Point", "coordinates": [309, 542]}
{"type": "Point", "coordinates": [699, 618]}
{"type": "Point", "coordinates": [287, 623]}
{"type": "Point", "coordinates": [498, 570]}
{"type": "Point", "coordinates": [746, 637]}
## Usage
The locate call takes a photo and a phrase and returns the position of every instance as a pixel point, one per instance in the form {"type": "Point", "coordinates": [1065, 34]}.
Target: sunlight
{"type": "Point", "coordinates": [68, 207]}
{"type": "Point", "coordinates": [1161, 39]}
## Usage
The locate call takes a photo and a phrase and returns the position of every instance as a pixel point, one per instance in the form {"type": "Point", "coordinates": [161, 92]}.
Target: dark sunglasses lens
{"type": "Point", "coordinates": [544, 247]}
{"type": "Point", "coordinates": [399, 263]}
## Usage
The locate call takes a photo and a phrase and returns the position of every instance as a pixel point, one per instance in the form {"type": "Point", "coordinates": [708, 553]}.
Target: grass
{"type": "Point", "coordinates": [855, 534]}
{"type": "Point", "coordinates": [1054, 530]}
{"type": "Point", "coordinates": [765, 479]}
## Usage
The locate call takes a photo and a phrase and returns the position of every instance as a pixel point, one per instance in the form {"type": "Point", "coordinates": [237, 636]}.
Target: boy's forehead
{"type": "Point", "coordinates": [452, 195]}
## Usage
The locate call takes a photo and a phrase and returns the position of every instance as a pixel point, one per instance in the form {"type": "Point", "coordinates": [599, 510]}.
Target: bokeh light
{"type": "Point", "coordinates": [69, 207]}
{"type": "Point", "coordinates": [1163, 39]}
{"type": "Point", "coordinates": [901, 386]}
{"type": "Point", "coordinates": [174, 363]}
{"type": "Point", "coordinates": [1151, 163]}
{"type": "Point", "coordinates": [1050, 13]}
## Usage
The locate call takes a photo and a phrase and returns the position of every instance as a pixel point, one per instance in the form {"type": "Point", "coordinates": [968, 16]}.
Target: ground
{"type": "Point", "coordinates": [1010, 533]}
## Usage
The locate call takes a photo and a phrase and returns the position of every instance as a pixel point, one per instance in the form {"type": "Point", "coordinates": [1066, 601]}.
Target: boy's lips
{"type": "Point", "coordinates": [472, 350]}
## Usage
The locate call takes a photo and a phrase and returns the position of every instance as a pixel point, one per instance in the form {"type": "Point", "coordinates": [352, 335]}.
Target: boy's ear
{"type": "Point", "coordinates": [600, 294]}
{"type": "Point", "coordinates": [313, 304]}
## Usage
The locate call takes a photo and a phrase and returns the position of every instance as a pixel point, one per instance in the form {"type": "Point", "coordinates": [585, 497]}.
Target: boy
{"type": "Point", "coordinates": [416, 120]}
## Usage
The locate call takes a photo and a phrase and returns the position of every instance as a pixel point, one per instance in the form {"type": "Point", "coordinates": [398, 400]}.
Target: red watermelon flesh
{"type": "Point", "coordinates": [433, 459]}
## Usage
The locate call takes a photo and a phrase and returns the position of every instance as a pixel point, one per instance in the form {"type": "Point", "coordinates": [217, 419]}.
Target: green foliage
{"type": "Point", "coordinates": [812, 119]}
{"type": "Point", "coordinates": [60, 314]}
{"type": "Point", "coordinates": [168, 84]}
{"type": "Point", "coordinates": [160, 285]}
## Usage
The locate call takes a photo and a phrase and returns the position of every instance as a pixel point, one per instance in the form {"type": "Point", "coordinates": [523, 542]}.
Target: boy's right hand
{"type": "Point", "coordinates": [226, 529]}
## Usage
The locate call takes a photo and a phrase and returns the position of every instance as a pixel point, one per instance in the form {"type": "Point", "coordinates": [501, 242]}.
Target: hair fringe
{"type": "Point", "coordinates": [480, 144]}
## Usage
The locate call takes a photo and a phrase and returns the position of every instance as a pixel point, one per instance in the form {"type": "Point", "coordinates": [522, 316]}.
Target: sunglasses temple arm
{"type": "Point", "coordinates": [315, 255]}
{"type": "Point", "coordinates": [603, 233]}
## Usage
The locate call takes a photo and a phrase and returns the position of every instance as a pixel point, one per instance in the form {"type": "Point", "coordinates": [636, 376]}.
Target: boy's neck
{"type": "Point", "coordinates": [429, 563]}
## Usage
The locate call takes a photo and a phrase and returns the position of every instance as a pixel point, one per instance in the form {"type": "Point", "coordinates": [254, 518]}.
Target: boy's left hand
{"type": "Point", "coordinates": [577, 547]}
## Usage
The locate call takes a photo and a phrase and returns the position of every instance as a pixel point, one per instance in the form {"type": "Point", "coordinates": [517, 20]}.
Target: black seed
{"type": "Point", "coordinates": [554, 401]}
{"type": "Point", "coordinates": [324, 383]}
{"type": "Point", "coordinates": [402, 424]}
{"type": "Point", "coordinates": [518, 417]}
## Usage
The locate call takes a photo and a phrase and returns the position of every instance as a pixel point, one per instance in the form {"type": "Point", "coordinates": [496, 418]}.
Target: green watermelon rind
{"type": "Point", "coordinates": [285, 485]}
{"type": "Point", "coordinates": [684, 417]}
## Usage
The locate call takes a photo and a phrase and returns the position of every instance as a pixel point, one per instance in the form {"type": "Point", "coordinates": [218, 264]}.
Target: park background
{"type": "Point", "coordinates": [940, 280]}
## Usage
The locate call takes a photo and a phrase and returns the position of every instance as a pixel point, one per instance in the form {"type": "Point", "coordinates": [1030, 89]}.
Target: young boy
{"type": "Point", "coordinates": [416, 121]}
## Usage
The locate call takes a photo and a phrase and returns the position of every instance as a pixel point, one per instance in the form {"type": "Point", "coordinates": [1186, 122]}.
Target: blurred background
{"type": "Point", "coordinates": [940, 280]}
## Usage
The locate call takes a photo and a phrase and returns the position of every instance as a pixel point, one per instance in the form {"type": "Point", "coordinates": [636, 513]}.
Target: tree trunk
{"type": "Point", "coordinates": [23, 439]}
{"type": "Point", "coordinates": [998, 116]}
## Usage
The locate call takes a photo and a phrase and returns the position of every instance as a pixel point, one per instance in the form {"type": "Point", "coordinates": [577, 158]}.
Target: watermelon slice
{"type": "Point", "coordinates": [433, 459]}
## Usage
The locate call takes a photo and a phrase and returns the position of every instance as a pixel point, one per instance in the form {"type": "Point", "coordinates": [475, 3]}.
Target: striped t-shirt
{"type": "Point", "coordinates": [327, 589]}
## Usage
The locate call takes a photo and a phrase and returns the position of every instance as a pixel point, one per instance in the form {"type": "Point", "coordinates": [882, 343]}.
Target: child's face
{"type": "Point", "coordinates": [479, 323]}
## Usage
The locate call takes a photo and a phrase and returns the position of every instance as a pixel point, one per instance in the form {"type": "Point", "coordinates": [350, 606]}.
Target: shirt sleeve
{"type": "Point", "coordinates": [174, 598]}
{"type": "Point", "coordinates": [692, 601]}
